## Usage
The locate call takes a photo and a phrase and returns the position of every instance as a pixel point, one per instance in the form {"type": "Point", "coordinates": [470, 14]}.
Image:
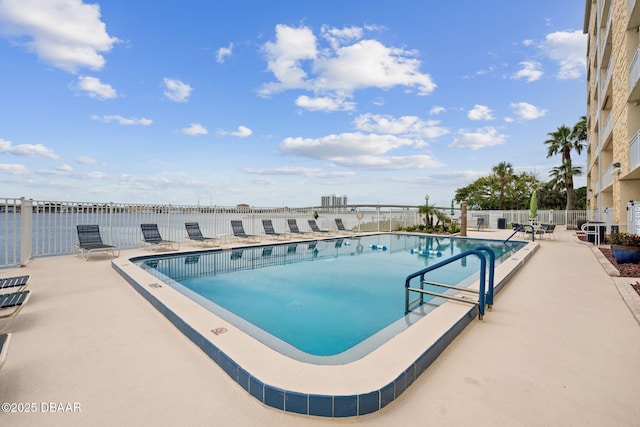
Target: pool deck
{"type": "Point", "coordinates": [561, 347]}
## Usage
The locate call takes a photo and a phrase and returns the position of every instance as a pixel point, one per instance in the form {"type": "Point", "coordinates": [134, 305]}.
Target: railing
{"type": "Point", "coordinates": [558, 217]}
{"type": "Point", "coordinates": [634, 151]}
{"type": "Point", "coordinates": [604, 133]}
{"type": "Point", "coordinates": [606, 179]}
{"type": "Point", "coordinates": [30, 228]}
{"type": "Point", "coordinates": [482, 298]}
{"type": "Point", "coordinates": [634, 70]}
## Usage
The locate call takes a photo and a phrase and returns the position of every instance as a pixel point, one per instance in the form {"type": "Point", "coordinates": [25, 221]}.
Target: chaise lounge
{"type": "Point", "coordinates": [16, 283]}
{"type": "Point", "coordinates": [238, 232]}
{"type": "Point", "coordinates": [271, 232]}
{"type": "Point", "coordinates": [10, 305]}
{"type": "Point", "coordinates": [316, 230]}
{"type": "Point", "coordinates": [4, 348]}
{"type": "Point", "coordinates": [151, 237]}
{"type": "Point", "coordinates": [90, 241]}
{"type": "Point", "coordinates": [341, 228]}
{"type": "Point", "coordinates": [194, 233]}
{"type": "Point", "coordinates": [293, 228]}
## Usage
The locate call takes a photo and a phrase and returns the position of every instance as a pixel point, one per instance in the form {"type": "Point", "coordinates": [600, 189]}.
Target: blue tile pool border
{"type": "Point", "coordinates": [337, 406]}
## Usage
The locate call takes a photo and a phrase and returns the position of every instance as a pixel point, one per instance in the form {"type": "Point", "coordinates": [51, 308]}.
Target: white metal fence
{"type": "Point", "coordinates": [30, 228]}
{"type": "Point", "coordinates": [558, 217]}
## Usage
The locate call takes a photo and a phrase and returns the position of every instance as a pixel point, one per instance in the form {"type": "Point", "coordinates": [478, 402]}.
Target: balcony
{"type": "Point", "coordinates": [606, 179]}
{"type": "Point", "coordinates": [634, 15]}
{"type": "Point", "coordinates": [634, 74]}
{"type": "Point", "coordinates": [605, 40]}
{"type": "Point", "coordinates": [634, 154]}
{"type": "Point", "coordinates": [606, 89]}
{"type": "Point", "coordinates": [604, 134]}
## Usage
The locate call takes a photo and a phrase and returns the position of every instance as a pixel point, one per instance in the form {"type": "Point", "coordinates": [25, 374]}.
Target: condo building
{"type": "Point", "coordinates": [613, 111]}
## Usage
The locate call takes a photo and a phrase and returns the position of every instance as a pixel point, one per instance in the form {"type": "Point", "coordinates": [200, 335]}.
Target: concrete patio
{"type": "Point", "coordinates": [561, 347]}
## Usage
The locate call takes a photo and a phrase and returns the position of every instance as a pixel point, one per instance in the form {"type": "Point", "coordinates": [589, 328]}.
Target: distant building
{"type": "Point", "coordinates": [333, 200]}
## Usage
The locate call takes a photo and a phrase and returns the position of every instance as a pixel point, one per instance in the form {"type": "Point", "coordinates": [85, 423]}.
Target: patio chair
{"type": "Point", "coordinates": [10, 305]}
{"type": "Point", "coordinates": [341, 228]}
{"type": "Point", "coordinates": [90, 241]}
{"type": "Point", "coordinates": [17, 283]}
{"type": "Point", "coordinates": [537, 230]}
{"type": "Point", "coordinates": [316, 229]}
{"type": "Point", "coordinates": [267, 224]}
{"type": "Point", "coordinates": [548, 230]}
{"type": "Point", "coordinates": [194, 233]}
{"type": "Point", "coordinates": [151, 237]}
{"type": "Point", "coordinates": [238, 233]}
{"type": "Point", "coordinates": [4, 347]}
{"type": "Point", "coordinates": [293, 228]}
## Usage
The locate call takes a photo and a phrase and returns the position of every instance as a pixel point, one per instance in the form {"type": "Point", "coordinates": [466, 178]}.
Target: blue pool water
{"type": "Point", "coordinates": [320, 298]}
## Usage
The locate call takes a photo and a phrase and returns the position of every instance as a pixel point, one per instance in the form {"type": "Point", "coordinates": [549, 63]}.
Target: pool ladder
{"type": "Point", "coordinates": [483, 299]}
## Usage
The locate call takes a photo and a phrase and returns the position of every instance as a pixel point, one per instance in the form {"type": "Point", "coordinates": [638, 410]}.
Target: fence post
{"type": "Point", "coordinates": [26, 230]}
{"type": "Point", "coordinates": [463, 219]}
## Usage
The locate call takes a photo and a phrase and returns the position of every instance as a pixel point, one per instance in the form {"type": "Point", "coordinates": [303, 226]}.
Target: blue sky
{"type": "Point", "coordinates": [279, 103]}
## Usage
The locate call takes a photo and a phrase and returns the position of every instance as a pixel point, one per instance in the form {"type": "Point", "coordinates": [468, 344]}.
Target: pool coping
{"type": "Point", "coordinates": [356, 388]}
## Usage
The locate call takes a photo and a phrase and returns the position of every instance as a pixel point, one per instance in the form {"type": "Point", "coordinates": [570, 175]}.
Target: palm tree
{"type": "Point", "coordinates": [563, 141]}
{"type": "Point", "coordinates": [504, 171]}
{"type": "Point", "coordinates": [559, 175]}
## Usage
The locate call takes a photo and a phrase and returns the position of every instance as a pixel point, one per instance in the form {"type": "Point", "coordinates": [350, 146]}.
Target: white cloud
{"type": "Point", "coordinates": [405, 125]}
{"type": "Point", "coordinates": [324, 104]}
{"type": "Point", "coordinates": [437, 110]}
{"type": "Point", "coordinates": [292, 45]}
{"type": "Point", "coordinates": [122, 120]}
{"type": "Point", "coordinates": [263, 180]}
{"type": "Point", "coordinates": [176, 90]}
{"type": "Point", "coordinates": [568, 49]}
{"type": "Point", "coordinates": [481, 138]}
{"type": "Point", "coordinates": [369, 63]}
{"type": "Point", "coordinates": [298, 62]}
{"type": "Point", "coordinates": [13, 169]}
{"type": "Point", "coordinates": [297, 170]}
{"type": "Point", "coordinates": [530, 70]}
{"type": "Point", "coordinates": [67, 34]}
{"type": "Point", "coordinates": [194, 129]}
{"type": "Point", "coordinates": [242, 132]}
{"type": "Point", "coordinates": [359, 150]}
{"type": "Point", "coordinates": [95, 88]}
{"type": "Point", "coordinates": [527, 111]}
{"type": "Point", "coordinates": [391, 162]}
{"type": "Point", "coordinates": [223, 52]}
{"type": "Point", "coordinates": [337, 37]}
{"type": "Point", "coordinates": [84, 160]}
{"type": "Point", "coordinates": [27, 150]}
{"type": "Point", "coordinates": [480, 112]}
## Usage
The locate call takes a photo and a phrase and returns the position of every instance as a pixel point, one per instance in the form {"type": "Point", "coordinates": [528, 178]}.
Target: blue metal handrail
{"type": "Point", "coordinates": [520, 228]}
{"type": "Point", "coordinates": [482, 298]}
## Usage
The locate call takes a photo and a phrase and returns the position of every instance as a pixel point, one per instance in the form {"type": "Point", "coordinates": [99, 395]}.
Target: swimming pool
{"type": "Point", "coordinates": [325, 302]}
{"type": "Point", "coordinates": [357, 386]}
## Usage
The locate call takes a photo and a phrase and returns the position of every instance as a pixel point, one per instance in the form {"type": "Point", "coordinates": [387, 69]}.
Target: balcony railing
{"type": "Point", "coordinates": [634, 151]}
{"type": "Point", "coordinates": [603, 135]}
{"type": "Point", "coordinates": [606, 179]}
{"type": "Point", "coordinates": [607, 80]}
{"type": "Point", "coordinates": [634, 70]}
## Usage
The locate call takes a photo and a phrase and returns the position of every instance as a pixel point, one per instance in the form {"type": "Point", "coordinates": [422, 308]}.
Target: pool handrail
{"type": "Point", "coordinates": [521, 228]}
{"type": "Point", "coordinates": [482, 298]}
